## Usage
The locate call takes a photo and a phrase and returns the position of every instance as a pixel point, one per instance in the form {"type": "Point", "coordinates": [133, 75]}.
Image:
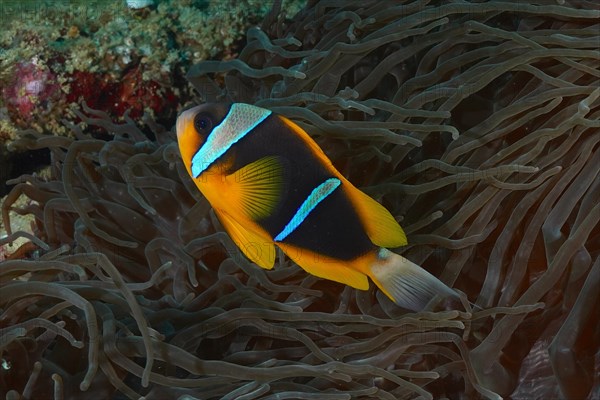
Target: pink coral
{"type": "Point", "coordinates": [30, 90]}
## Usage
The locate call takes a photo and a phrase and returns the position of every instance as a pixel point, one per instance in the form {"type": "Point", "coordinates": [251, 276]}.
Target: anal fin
{"type": "Point", "coordinates": [326, 267]}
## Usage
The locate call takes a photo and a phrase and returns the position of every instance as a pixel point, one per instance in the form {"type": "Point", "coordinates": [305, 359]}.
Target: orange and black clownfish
{"type": "Point", "coordinates": [271, 184]}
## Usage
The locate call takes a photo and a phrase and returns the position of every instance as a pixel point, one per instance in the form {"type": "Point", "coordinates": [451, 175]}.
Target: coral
{"type": "Point", "coordinates": [139, 4]}
{"type": "Point", "coordinates": [137, 98]}
{"type": "Point", "coordinates": [32, 89]}
{"type": "Point", "coordinates": [110, 55]}
{"type": "Point", "coordinates": [476, 124]}
{"type": "Point", "coordinates": [101, 92]}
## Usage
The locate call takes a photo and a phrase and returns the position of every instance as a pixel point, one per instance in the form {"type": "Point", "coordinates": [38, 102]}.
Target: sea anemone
{"type": "Point", "coordinates": [476, 124]}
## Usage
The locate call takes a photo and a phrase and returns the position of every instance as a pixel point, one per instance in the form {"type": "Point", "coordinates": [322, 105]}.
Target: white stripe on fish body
{"type": "Point", "coordinates": [240, 120]}
{"type": "Point", "coordinates": [314, 198]}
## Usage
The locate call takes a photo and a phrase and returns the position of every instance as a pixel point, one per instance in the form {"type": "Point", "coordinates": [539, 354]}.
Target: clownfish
{"type": "Point", "coordinates": [270, 184]}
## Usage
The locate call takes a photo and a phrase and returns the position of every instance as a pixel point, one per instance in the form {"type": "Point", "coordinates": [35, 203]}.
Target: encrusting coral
{"type": "Point", "coordinates": [111, 55]}
{"type": "Point", "coordinates": [477, 124]}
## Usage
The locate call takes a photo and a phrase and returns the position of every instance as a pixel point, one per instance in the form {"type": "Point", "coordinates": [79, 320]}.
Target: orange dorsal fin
{"type": "Point", "coordinates": [255, 243]}
{"type": "Point", "coordinates": [314, 147]}
{"type": "Point", "coordinates": [380, 225]}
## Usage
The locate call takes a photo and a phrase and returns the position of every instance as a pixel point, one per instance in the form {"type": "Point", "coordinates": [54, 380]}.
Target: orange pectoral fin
{"type": "Point", "coordinates": [255, 243]}
{"type": "Point", "coordinates": [256, 188]}
{"type": "Point", "coordinates": [380, 225]}
{"type": "Point", "coordinates": [316, 264]}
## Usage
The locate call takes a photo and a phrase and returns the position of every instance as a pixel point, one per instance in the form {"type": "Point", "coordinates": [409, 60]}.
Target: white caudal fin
{"type": "Point", "coordinates": [407, 284]}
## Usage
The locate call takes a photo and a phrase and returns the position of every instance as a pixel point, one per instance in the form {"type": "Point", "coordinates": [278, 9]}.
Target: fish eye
{"type": "Point", "coordinates": [203, 123]}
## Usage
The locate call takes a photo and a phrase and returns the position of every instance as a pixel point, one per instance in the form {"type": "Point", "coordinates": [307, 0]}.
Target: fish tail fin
{"type": "Point", "coordinates": [403, 281]}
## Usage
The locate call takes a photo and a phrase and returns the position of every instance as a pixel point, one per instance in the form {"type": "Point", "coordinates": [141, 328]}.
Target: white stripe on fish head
{"type": "Point", "coordinates": [241, 120]}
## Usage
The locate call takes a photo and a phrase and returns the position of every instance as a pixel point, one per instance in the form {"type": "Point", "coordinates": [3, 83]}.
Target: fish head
{"type": "Point", "coordinates": [195, 125]}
